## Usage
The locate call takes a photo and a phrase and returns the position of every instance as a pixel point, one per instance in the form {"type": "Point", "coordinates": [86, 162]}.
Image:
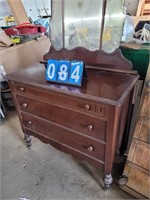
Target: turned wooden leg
{"type": "Point", "coordinates": [108, 180]}
{"type": "Point", "coordinates": [27, 140]}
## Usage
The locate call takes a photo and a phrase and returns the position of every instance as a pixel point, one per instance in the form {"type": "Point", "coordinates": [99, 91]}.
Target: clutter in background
{"type": "Point", "coordinates": [143, 32]}
{"type": "Point", "coordinates": [128, 30]}
{"type": "Point", "coordinates": [138, 34]}
{"type": "Point", "coordinates": [137, 28]}
{"type": "Point", "coordinates": [25, 28]}
{"type": "Point", "coordinates": [6, 100]}
{"type": "Point", "coordinates": [45, 23]}
{"type": "Point", "coordinates": [24, 32]}
{"type": "Point", "coordinates": [143, 8]}
{"type": "Point", "coordinates": [5, 41]}
{"type": "Point", "coordinates": [2, 73]}
{"type": "Point", "coordinates": [37, 9]}
{"type": "Point", "coordinates": [7, 21]}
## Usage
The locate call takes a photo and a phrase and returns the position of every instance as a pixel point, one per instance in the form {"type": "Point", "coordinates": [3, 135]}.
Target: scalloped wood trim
{"type": "Point", "coordinates": [98, 58]}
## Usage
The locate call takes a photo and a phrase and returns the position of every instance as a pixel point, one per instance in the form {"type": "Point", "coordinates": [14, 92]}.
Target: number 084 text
{"type": "Point", "coordinates": [65, 71]}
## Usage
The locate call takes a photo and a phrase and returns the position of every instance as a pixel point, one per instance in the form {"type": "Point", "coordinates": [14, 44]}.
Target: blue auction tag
{"type": "Point", "coordinates": [63, 70]}
{"type": "Point", "coordinates": [51, 70]}
{"type": "Point", "coordinates": [76, 72]}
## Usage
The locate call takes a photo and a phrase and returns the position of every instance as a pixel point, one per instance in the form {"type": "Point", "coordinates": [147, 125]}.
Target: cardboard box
{"type": "Point", "coordinates": [4, 39]}
{"type": "Point", "coordinates": [23, 55]}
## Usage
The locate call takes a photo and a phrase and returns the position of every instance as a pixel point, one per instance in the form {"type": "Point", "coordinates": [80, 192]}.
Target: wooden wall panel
{"type": "Point", "coordinates": [142, 131]}
{"type": "Point", "coordinates": [137, 180]}
{"type": "Point", "coordinates": [139, 154]}
{"type": "Point", "coordinates": [145, 111]}
{"type": "Point", "coordinates": [137, 167]}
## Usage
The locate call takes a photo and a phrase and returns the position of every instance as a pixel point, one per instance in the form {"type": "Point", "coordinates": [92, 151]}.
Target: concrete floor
{"type": "Point", "coordinates": [43, 173]}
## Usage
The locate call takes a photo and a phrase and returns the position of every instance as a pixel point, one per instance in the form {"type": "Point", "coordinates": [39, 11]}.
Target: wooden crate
{"type": "Point", "coordinates": [138, 181]}
{"type": "Point", "coordinates": [143, 8]}
{"type": "Point", "coordinates": [137, 168]}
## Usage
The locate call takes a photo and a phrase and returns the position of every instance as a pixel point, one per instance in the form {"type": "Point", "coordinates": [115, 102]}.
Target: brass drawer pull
{"type": "Point", "coordinates": [90, 127]}
{"type": "Point", "coordinates": [90, 148]}
{"type": "Point", "coordinates": [87, 107]}
{"type": "Point", "coordinates": [30, 122]}
{"type": "Point", "coordinates": [24, 105]}
{"type": "Point", "coordinates": [22, 89]}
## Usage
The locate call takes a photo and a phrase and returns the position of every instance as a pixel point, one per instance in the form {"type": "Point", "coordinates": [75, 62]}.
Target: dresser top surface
{"type": "Point", "coordinates": [102, 86]}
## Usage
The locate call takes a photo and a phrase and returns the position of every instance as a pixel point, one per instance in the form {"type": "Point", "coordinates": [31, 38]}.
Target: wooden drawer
{"type": "Point", "coordinates": [139, 153]}
{"type": "Point", "coordinates": [64, 136]}
{"type": "Point", "coordinates": [142, 130]}
{"type": "Point", "coordinates": [62, 99]}
{"type": "Point", "coordinates": [80, 122]}
{"type": "Point", "coordinates": [138, 179]}
{"type": "Point", "coordinates": [145, 111]}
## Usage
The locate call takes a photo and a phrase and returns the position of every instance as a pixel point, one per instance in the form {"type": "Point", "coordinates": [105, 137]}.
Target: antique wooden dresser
{"type": "Point", "coordinates": [87, 121]}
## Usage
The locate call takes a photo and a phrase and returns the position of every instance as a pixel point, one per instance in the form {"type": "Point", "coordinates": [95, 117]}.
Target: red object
{"type": "Point", "coordinates": [25, 28]}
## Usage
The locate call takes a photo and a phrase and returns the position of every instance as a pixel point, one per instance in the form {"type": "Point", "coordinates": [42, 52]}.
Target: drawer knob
{"type": "Point", "coordinates": [25, 105]}
{"type": "Point", "coordinates": [90, 148]}
{"type": "Point", "coordinates": [22, 89]}
{"type": "Point", "coordinates": [30, 122]}
{"type": "Point", "coordinates": [87, 107]}
{"type": "Point", "coordinates": [90, 127]}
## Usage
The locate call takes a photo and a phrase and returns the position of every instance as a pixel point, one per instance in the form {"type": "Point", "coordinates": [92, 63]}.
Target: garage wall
{"type": "Point", "coordinates": [130, 4]}
{"type": "Point", "coordinates": [34, 8]}
{"type": "Point", "coordinates": [4, 8]}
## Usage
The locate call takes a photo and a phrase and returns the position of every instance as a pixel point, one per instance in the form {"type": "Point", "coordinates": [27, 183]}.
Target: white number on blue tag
{"type": "Point", "coordinates": [76, 72]}
{"type": "Point", "coordinates": [63, 70]}
{"type": "Point", "coordinates": [51, 71]}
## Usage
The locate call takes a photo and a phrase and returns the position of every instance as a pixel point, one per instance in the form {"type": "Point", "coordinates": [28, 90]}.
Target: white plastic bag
{"type": "Point", "coordinates": [128, 30]}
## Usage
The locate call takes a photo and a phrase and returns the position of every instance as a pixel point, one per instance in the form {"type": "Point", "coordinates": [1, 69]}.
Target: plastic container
{"type": "Point", "coordinates": [139, 59]}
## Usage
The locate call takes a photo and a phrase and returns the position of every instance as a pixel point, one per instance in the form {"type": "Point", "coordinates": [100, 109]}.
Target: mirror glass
{"type": "Point", "coordinates": [56, 24]}
{"type": "Point", "coordinates": [82, 23]}
{"type": "Point", "coordinates": [79, 23]}
{"type": "Point", "coordinates": [113, 25]}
